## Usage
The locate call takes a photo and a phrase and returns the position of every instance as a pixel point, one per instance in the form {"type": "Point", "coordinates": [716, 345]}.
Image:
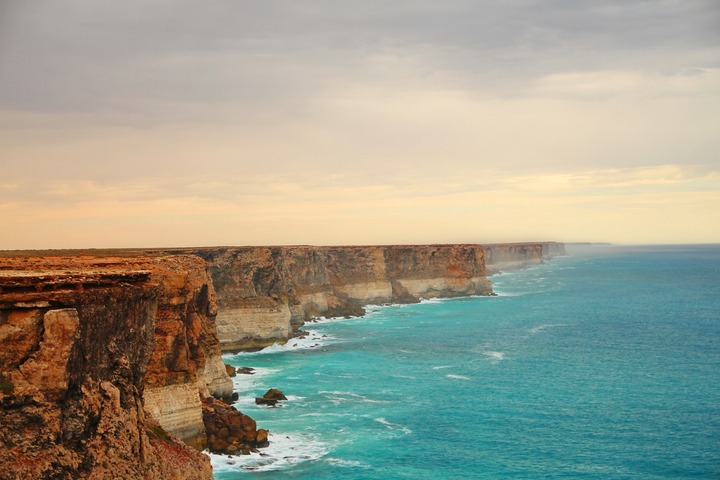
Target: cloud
{"type": "Point", "coordinates": [352, 122]}
{"type": "Point", "coordinates": [90, 56]}
{"type": "Point", "coordinates": [289, 214]}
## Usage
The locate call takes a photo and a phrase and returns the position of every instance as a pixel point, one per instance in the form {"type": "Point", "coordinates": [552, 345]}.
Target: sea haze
{"type": "Point", "coordinates": [602, 365]}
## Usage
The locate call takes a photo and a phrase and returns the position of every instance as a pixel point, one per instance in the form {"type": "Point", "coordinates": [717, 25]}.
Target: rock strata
{"type": "Point", "coordinates": [75, 353]}
{"type": "Point", "coordinates": [265, 294]}
{"type": "Point", "coordinates": [104, 364]}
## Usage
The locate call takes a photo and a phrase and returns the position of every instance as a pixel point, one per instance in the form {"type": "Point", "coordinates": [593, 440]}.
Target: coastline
{"type": "Point", "coordinates": [289, 452]}
{"type": "Point", "coordinates": [184, 294]}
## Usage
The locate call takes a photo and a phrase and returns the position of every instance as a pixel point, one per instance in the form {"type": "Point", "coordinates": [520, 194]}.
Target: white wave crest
{"type": "Point", "coordinates": [285, 450]}
{"type": "Point", "coordinates": [294, 398]}
{"type": "Point", "coordinates": [432, 300]}
{"type": "Point", "coordinates": [495, 355]}
{"type": "Point", "coordinates": [459, 377]}
{"type": "Point", "coordinates": [540, 328]}
{"type": "Point", "coordinates": [313, 340]}
{"type": "Point", "coordinates": [500, 293]}
{"type": "Point", "coordinates": [339, 462]}
{"type": "Point", "coordinates": [393, 426]}
{"type": "Point", "coordinates": [337, 397]}
{"type": "Point", "coordinates": [323, 320]}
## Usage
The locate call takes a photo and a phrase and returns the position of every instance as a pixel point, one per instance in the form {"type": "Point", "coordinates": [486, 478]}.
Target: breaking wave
{"type": "Point", "coordinates": [285, 450]}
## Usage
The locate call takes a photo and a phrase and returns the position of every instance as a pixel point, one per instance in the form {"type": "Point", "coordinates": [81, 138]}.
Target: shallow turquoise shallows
{"type": "Point", "coordinates": [601, 365]}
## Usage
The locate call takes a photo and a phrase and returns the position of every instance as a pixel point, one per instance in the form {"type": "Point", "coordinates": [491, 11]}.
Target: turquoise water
{"type": "Point", "coordinates": [601, 365]}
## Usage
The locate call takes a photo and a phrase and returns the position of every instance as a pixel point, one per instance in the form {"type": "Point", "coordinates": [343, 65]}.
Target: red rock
{"type": "Point", "coordinates": [81, 332]}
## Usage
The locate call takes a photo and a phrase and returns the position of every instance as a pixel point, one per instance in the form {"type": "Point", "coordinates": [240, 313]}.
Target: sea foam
{"type": "Point", "coordinates": [540, 328]}
{"type": "Point", "coordinates": [393, 426]}
{"type": "Point", "coordinates": [497, 356]}
{"type": "Point", "coordinates": [285, 450]}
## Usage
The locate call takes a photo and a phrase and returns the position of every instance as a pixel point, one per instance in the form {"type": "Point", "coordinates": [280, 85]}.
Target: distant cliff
{"type": "Point", "coordinates": [266, 293]}
{"type": "Point", "coordinates": [509, 256]}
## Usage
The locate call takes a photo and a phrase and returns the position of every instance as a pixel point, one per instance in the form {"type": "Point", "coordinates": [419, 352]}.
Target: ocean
{"type": "Point", "coordinates": [604, 364]}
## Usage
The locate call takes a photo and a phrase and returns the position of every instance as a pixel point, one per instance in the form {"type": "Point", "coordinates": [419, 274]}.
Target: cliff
{"type": "Point", "coordinates": [111, 360]}
{"type": "Point", "coordinates": [264, 294]}
{"type": "Point", "coordinates": [106, 367]}
{"type": "Point", "coordinates": [510, 256]}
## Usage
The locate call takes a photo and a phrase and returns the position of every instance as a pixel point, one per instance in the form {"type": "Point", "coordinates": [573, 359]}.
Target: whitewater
{"type": "Point", "coordinates": [604, 364]}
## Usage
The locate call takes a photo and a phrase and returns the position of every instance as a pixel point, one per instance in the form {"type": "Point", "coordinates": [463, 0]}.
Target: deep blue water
{"type": "Point", "coordinates": [601, 365]}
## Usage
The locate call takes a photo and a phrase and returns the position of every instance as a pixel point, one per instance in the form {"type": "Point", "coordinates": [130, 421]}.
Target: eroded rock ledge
{"type": "Point", "coordinates": [105, 364]}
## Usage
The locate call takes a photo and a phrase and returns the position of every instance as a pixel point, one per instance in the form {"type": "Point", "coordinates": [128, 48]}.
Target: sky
{"type": "Point", "coordinates": [198, 123]}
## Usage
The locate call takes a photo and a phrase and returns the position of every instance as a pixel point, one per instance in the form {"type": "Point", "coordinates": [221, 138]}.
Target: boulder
{"type": "Point", "coordinates": [271, 398]}
{"type": "Point", "coordinates": [229, 431]}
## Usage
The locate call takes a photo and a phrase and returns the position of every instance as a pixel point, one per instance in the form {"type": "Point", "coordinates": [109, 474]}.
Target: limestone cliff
{"type": "Point", "coordinates": [266, 293]}
{"type": "Point", "coordinates": [509, 256]}
{"type": "Point", "coordinates": [106, 364]}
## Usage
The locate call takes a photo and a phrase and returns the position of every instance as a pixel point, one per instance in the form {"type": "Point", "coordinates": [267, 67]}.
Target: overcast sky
{"type": "Point", "coordinates": [188, 123]}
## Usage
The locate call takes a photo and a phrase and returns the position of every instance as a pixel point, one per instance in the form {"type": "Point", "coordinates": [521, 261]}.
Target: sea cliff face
{"type": "Point", "coordinates": [509, 256]}
{"type": "Point", "coordinates": [106, 364]}
{"type": "Point", "coordinates": [266, 293]}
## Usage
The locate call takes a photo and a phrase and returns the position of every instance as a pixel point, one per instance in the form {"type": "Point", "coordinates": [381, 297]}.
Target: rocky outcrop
{"type": "Point", "coordinates": [105, 365]}
{"type": "Point", "coordinates": [271, 398]}
{"type": "Point", "coordinates": [231, 432]}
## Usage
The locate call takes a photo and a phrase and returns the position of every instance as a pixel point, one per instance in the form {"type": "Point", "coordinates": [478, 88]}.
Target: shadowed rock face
{"type": "Point", "coordinates": [73, 403]}
{"type": "Point", "coordinates": [86, 341]}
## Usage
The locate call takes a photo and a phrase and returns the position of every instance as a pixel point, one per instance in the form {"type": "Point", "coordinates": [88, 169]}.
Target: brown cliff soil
{"type": "Point", "coordinates": [82, 337]}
